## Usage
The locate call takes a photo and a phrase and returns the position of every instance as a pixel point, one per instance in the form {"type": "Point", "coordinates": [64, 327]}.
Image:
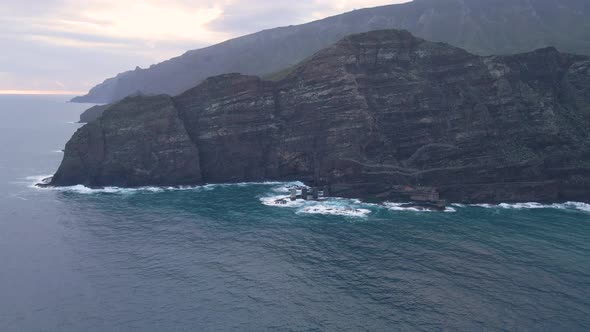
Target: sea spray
{"type": "Point", "coordinates": [277, 197]}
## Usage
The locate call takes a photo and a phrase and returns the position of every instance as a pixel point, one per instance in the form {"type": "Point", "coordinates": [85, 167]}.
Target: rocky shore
{"type": "Point", "coordinates": [371, 116]}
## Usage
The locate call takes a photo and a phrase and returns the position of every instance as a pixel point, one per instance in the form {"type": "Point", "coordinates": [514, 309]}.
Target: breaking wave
{"type": "Point", "coordinates": [532, 205]}
{"type": "Point", "coordinates": [334, 210]}
{"type": "Point", "coordinates": [330, 206]}
{"type": "Point", "coordinates": [33, 181]}
{"type": "Point", "coordinates": [278, 197]}
{"type": "Point", "coordinates": [334, 205]}
{"type": "Point", "coordinates": [403, 207]}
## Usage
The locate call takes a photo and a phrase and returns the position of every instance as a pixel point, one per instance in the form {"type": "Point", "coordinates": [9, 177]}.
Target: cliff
{"type": "Point", "coordinates": [368, 115]}
{"type": "Point", "coordinates": [139, 141]}
{"type": "Point", "coordinates": [92, 113]}
{"type": "Point", "coordinates": [482, 27]}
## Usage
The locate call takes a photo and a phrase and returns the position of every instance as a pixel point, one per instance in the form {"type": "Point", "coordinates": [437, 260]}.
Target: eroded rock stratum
{"type": "Point", "coordinates": [374, 112]}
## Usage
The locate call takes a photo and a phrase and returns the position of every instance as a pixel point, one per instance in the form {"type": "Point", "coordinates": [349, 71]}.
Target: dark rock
{"type": "Point", "coordinates": [92, 113]}
{"type": "Point", "coordinates": [139, 141]}
{"type": "Point", "coordinates": [374, 112]}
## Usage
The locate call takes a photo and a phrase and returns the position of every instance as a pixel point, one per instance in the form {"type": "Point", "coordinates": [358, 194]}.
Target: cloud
{"type": "Point", "coordinates": [76, 42]}
{"type": "Point", "coordinates": [143, 20]}
{"type": "Point", "coordinates": [71, 23]}
{"type": "Point", "coordinates": [61, 85]}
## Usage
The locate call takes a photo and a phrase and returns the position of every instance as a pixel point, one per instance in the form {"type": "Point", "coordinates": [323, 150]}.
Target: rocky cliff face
{"type": "Point", "coordinates": [92, 113]}
{"type": "Point", "coordinates": [374, 112]}
{"type": "Point", "coordinates": [138, 141]}
{"type": "Point", "coordinates": [480, 26]}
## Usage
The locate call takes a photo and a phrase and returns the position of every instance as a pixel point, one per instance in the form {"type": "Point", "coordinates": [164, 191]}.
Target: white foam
{"type": "Point", "coordinates": [399, 207]}
{"type": "Point", "coordinates": [57, 151]}
{"type": "Point", "coordinates": [485, 206]}
{"type": "Point", "coordinates": [509, 206]}
{"type": "Point", "coordinates": [34, 180]}
{"type": "Point", "coordinates": [80, 189]}
{"type": "Point", "coordinates": [334, 210]}
{"type": "Point", "coordinates": [526, 205]}
{"type": "Point", "coordinates": [282, 201]}
{"type": "Point", "coordinates": [574, 205]}
{"type": "Point", "coordinates": [332, 206]}
{"type": "Point", "coordinates": [38, 178]}
{"type": "Point", "coordinates": [286, 187]}
{"type": "Point", "coordinates": [403, 207]}
{"type": "Point", "coordinates": [450, 209]}
{"type": "Point", "coordinates": [534, 205]}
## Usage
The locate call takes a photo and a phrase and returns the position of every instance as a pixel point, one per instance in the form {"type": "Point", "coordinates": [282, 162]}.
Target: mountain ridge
{"type": "Point", "coordinates": [489, 27]}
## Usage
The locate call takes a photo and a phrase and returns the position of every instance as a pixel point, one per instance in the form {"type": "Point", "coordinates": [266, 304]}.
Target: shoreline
{"type": "Point", "coordinates": [270, 201]}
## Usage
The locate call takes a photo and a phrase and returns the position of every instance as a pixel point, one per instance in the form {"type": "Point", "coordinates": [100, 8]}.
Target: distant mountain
{"type": "Point", "coordinates": [480, 26]}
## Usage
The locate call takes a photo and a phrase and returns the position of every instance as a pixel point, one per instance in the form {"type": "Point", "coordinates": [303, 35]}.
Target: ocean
{"type": "Point", "coordinates": [226, 257]}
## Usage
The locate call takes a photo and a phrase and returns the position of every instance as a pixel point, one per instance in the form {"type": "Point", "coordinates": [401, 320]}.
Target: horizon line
{"type": "Point", "coordinates": [41, 92]}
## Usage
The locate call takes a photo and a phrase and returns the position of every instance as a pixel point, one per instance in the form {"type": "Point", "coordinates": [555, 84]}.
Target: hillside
{"type": "Point", "coordinates": [481, 27]}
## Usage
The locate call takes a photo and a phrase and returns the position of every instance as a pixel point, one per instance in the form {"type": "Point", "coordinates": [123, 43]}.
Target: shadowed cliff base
{"type": "Point", "coordinates": [373, 112]}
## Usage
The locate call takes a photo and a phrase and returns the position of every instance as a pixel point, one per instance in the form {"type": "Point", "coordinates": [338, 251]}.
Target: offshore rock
{"type": "Point", "coordinates": [372, 114]}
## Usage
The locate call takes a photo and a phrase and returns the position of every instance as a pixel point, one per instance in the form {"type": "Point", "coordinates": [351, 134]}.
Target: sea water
{"type": "Point", "coordinates": [228, 257]}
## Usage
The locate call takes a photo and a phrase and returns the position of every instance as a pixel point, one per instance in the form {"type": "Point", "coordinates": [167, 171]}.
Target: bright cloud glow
{"type": "Point", "coordinates": [145, 20]}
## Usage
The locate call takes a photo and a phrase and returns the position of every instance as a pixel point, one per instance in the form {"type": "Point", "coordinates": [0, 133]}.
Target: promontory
{"type": "Point", "coordinates": [373, 113]}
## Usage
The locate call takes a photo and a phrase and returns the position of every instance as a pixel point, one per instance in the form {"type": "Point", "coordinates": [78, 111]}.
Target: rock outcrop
{"type": "Point", "coordinates": [369, 115]}
{"type": "Point", "coordinates": [138, 141]}
{"type": "Point", "coordinates": [92, 113]}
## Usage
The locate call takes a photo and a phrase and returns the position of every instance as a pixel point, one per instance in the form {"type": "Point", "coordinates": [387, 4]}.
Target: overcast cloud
{"type": "Point", "coordinates": [71, 45]}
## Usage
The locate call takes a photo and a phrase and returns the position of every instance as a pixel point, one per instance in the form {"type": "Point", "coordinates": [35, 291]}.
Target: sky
{"type": "Point", "coordinates": [68, 46]}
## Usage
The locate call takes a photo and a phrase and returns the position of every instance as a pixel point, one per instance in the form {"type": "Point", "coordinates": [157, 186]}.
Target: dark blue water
{"type": "Point", "coordinates": [217, 258]}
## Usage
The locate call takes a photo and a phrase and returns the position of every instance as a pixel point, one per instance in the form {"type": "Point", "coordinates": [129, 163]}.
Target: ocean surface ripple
{"type": "Point", "coordinates": [226, 257]}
